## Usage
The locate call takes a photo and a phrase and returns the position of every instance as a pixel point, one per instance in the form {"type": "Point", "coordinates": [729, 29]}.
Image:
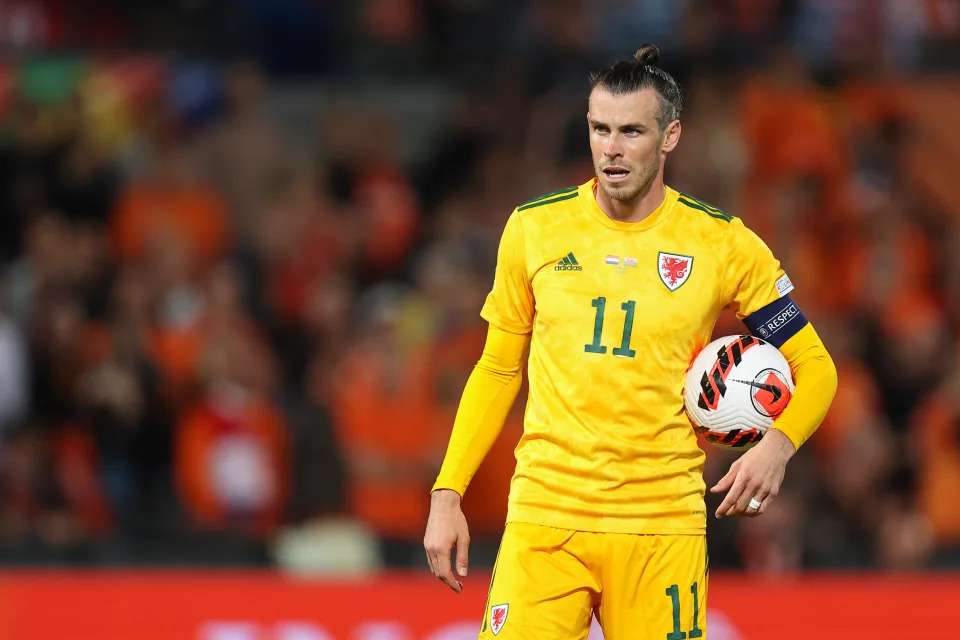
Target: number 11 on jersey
{"type": "Point", "coordinates": [624, 350]}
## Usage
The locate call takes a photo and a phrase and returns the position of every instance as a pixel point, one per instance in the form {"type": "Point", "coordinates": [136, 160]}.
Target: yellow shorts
{"type": "Point", "coordinates": [548, 582]}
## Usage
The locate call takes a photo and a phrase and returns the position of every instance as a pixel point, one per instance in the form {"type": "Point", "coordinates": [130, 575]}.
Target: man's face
{"type": "Point", "coordinates": [626, 142]}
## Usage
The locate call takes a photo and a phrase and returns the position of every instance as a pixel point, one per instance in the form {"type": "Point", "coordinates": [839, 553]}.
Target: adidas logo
{"type": "Point", "coordinates": [568, 263]}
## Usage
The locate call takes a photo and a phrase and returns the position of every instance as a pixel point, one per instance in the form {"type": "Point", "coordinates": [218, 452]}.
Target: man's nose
{"type": "Point", "coordinates": [612, 148]}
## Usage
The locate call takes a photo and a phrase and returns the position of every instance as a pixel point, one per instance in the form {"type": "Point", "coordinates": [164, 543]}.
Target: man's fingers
{"type": "Point", "coordinates": [444, 572]}
{"type": "Point", "coordinates": [766, 497]}
{"type": "Point", "coordinates": [463, 549]}
{"type": "Point", "coordinates": [443, 563]}
{"type": "Point", "coordinates": [731, 498]}
{"type": "Point", "coordinates": [436, 563]}
{"type": "Point", "coordinates": [750, 492]}
{"type": "Point", "coordinates": [454, 584]}
{"type": "Point", "coordinates": [727, 480]}
{"type": "Point", "coordinates": [446, 528]}
{"type": "Point", "coordinates": [433, 569]}
{"type": "Point", "coordinates": [451, 581]}
{"type": "Point", "coordinates": [434, 552]}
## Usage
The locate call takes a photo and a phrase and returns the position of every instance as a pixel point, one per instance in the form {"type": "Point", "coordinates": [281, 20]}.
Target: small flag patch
{"type": "Point", "coordinates": [613, 260]}
{"type": "Point", "coordinates": [784, 286]}
{"type": "Point", "coordinates": [629, 262]}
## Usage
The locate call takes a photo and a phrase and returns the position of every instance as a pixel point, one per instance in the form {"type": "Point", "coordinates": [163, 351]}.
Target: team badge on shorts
{"type": "Point", "coordinates": [498, 617]}
{"type": "Point", "coordinates": [674, 269]}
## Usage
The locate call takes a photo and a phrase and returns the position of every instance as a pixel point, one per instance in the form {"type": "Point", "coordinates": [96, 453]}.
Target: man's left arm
{"type": "Point", "coordinates": [815, 377]}
{"type": "Point", "coordinates": [759, 472]}
{"type": "Point", "coordinates": [759, 293]}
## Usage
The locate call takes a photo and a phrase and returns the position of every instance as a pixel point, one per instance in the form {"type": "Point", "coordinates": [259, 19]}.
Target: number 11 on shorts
{"type": "Point", "coordinates": [678, 634]}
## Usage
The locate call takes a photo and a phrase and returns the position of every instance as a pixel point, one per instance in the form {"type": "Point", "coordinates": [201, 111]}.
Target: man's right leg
{"type": "Point", "coordinates": [540, 588]}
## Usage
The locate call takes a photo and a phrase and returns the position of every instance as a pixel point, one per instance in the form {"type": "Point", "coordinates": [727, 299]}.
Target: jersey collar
{"type": "Point", "coordinates": [588, 200]}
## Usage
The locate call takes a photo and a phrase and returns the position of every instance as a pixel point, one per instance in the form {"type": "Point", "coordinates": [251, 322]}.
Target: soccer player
{"type": "Point", "coordinates": [613, 287]}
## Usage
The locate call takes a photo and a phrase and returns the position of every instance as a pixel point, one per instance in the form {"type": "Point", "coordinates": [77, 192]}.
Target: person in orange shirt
{"type": "Point", "coordinates": [936, 429]}
{"type": "Point", "coordinates": [384, 413]}
{"type": "Point", "coordinates": [232, 447]}
{"type": "Point", "coordinates": [170, 198]}
{"type": "Point", "coordinates": [230, 460]}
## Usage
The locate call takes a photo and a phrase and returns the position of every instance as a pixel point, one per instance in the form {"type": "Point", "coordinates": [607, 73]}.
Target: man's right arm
{"type": "Point", "coordinates": [495, 381]}
{"type": "Point", "coordinates": [486, 401]}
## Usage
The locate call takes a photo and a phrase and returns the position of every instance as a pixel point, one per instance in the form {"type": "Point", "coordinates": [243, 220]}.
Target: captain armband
{"type": "Point", "coordinates": [777, 322]}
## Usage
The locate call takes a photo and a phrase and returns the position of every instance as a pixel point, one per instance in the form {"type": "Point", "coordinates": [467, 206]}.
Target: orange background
{"type": "Point", "coordinates": [264, 606]}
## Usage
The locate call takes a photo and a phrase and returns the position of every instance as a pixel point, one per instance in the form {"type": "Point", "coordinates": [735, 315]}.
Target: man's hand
{"type": "Point", "coordinates": [446, 528]}
{"type": "Point", "coordinates": [757, 474]}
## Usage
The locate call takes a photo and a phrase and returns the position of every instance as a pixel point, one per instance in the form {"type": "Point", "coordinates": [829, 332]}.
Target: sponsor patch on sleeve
{"type": "Point", "coordinates": [777, 322]}
{"type": "Point", "coordinates": [784, 286]}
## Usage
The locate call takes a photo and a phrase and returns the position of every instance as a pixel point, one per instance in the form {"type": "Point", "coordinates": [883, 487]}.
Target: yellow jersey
{"type": "Point", "coordinates": [617, 313]}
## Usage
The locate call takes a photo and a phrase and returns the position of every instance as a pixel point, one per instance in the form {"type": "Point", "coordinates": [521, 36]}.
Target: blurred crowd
{"type": "Point", "coordinates": [220, 326]}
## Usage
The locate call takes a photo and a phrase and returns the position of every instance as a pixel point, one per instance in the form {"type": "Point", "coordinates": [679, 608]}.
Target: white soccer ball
{"type": "Point", "coordinates": [735, 389]}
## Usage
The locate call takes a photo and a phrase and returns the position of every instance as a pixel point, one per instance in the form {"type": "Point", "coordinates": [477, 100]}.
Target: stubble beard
{"type": "Point", "coordinates": [646, 177]}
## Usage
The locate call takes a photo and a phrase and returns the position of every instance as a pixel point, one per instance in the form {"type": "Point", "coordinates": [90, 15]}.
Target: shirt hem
{"type": "Point", "coordinates": [607, 524]}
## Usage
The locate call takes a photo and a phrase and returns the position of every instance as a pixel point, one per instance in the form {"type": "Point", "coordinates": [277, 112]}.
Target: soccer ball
{"type": "Point", "coordinates": [735, 389]}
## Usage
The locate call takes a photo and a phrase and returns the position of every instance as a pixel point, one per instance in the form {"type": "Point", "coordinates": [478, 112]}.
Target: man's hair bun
{"type": "Point", "coordinates": [647, 54]}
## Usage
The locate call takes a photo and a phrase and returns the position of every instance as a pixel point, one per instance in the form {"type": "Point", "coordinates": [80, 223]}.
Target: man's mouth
{"type": "Point", "coordinates": [616, 174]}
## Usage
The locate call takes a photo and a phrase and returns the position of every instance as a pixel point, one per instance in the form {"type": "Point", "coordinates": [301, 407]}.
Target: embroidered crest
{"type": "Point", "coordinates": [498, 617]}
{"type": "Point", "coordinates": [674, 269]}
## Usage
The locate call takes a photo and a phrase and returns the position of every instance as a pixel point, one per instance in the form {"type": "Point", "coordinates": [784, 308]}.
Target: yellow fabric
{"type": "Point", "coordinates": [490, 391]}
{"type": "Point", "coordinates": [606, 444]}
{"type": "Point", "coordinates": [815, 377]}
{"type": "Point", "coordinates": [551, 581]}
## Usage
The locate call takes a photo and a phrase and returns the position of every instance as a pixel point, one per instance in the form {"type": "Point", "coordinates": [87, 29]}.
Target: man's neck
{"type": "Point", "coordinates": [634, 210]}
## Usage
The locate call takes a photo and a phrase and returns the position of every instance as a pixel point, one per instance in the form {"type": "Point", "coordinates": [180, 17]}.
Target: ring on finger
{"type": "Point", "coordinates": [754, 504]}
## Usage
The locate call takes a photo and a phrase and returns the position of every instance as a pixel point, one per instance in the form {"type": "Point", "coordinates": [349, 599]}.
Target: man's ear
{"type": "Point", "coordinates": [671, 137]}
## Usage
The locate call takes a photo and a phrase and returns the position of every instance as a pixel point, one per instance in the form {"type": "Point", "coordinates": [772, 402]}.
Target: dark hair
{"type": "Point", "coordinates": [642, 72]}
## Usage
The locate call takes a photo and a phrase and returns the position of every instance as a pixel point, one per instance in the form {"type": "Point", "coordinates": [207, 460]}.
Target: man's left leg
{"type": "Point", "coordinates": [654, 587]}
